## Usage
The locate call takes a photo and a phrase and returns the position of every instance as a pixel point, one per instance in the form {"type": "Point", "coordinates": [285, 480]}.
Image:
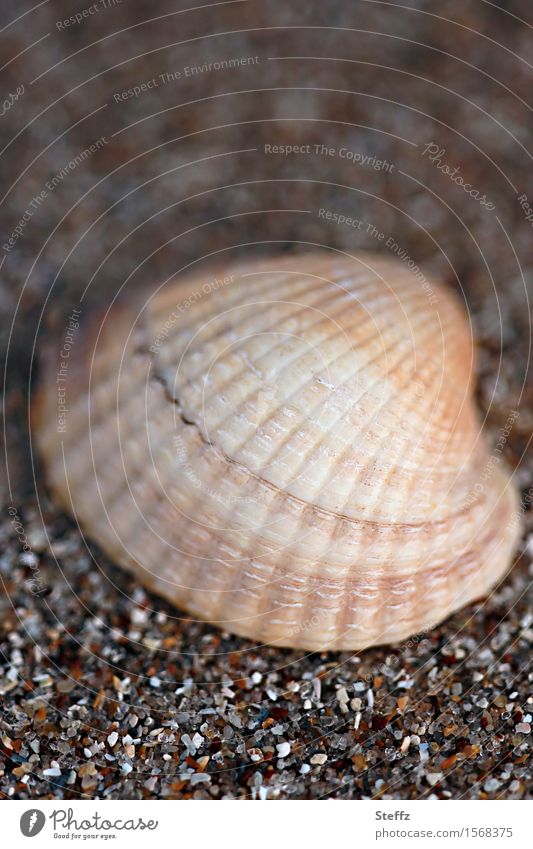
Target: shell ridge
{"type": "Point", "coordinates": [329, 364]}
{"type": "Point", "coordinates": [367, 392]}
{"type": "Point", "coordinates": [319, 287]}
{"type": "Point", "coordinates": [321, 510]}
{"type": "Point", "coordinates": [287, 401]}
{"type": "Point", "coordinates": [302, 308]}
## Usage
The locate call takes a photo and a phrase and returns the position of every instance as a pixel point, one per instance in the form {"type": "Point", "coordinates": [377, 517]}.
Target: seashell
{"type": "Point", "coordinates": [289, 450]}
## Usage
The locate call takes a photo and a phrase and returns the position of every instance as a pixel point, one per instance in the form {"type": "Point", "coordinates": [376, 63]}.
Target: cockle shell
{"type": "Point", "coordinates": [289, 449]}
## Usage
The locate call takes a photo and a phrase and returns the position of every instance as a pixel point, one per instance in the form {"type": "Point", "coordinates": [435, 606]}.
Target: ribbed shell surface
{"type": "Point", "coordinates": [287, 448]}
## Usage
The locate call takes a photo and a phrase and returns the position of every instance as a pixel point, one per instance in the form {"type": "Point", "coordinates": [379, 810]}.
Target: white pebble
{"type": "Point", "coordinates": [112, 738]}
{"type": "Point", "coordinates": [283, 749]}
{"type": "Point", "coordinates": [191, 748]}
{"type": "Point", "coordinates": [319, 759]}
{"type": "Point", "coordinates": [200, 778]}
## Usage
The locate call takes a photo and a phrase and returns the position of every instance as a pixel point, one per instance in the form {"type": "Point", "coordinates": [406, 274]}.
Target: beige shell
{"type": "Point", "coordinates": [288, 449]}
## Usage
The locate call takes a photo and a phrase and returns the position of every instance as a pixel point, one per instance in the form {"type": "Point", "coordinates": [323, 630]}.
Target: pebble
{"type": "Point", "coordinates": [342, 695]}
{"type": "Point", "coordinates": [200, 778]}
{"type": "Point", "coordinates": [87, 769]}
{"type": "Point", "coordinates": [283, 749]}
{"type": "Point", "coordinates": [188, 743]}
{"type": "Point", "coordinates": [198, 741]}
{"type": "Point", "coordinates": [319, 759]}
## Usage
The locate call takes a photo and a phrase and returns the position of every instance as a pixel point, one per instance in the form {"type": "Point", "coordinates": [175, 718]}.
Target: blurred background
{"type": "Point", "coordinates": [138, 139]}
